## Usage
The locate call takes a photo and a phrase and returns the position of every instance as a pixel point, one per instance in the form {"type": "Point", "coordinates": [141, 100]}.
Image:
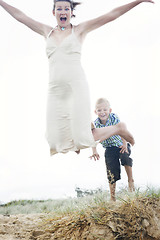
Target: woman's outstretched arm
{"type": "Point", "coordinates": [38, 27]}
{"type": "Point", "coordinates": [108, 17]}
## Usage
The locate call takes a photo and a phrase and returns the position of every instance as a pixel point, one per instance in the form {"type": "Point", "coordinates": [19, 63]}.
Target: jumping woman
{"type": "Point", "coordinates": [68, 105]}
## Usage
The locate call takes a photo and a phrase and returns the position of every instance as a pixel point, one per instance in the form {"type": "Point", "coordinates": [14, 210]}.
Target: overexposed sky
{"type": "Point", "coordinates": [121, 62]}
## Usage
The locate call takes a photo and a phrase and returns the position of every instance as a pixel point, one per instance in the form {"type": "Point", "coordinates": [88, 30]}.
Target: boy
{"type": "Point", "coordinates": [116, 147]}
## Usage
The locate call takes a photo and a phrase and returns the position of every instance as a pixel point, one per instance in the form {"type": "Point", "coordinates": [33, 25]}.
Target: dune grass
{"type": "Point", "coordinates": [64, 206]}
{"type": "Point", "coordinates": [99, 218]}
{"type": "Point", "coordinates": [133, 216]}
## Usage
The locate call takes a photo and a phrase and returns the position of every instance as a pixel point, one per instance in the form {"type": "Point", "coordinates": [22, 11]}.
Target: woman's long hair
{"type": "Point", "coordinates": [73, 4]}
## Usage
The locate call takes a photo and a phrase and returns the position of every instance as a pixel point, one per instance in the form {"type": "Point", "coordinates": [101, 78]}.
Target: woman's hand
{"type": "Point", "coordinates": [141, 1]}
{"type": "Point", "coordinates": [110, 16]}
{"type": "Point", "coordinates": [23, 18]}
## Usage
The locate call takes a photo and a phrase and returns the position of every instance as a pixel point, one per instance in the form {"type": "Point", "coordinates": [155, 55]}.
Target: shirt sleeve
{"type": "Point", "coordinates": [97, 123]}
{"type": "Point", "coordinates": [115, 119]}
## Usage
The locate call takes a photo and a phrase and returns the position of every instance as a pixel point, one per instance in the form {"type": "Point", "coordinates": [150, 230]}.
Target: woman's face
{"type": "Point", "coordinates": [62, 13]}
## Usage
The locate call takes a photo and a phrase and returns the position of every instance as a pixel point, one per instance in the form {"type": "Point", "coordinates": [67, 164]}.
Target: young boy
{"type": "Point", "coordinates": [116, 147]}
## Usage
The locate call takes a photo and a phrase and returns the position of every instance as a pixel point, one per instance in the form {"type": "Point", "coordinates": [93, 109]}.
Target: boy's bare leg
{"type": "Point", "coordinates": [130, 178]}
{"type": "Point", "coordinates": [112, 191]}
{"type": "Point", "coordinates": [106, 132]}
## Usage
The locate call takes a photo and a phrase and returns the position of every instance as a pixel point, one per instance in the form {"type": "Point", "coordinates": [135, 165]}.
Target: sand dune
{"type": "Point", "coordinates": [129, 220]}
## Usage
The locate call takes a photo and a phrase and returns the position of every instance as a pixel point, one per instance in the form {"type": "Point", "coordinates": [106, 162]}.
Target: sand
{"type": "Point", "coordinates": [129, 221]}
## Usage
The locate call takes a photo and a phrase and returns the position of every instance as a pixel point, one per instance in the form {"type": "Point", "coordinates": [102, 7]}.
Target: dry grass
{"type": "Point", "coordinates": [133, 216]}
{"type": "Point", "coordinates": [125, 220]}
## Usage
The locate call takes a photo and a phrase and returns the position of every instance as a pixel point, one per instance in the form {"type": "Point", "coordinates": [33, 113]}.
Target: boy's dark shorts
{"type": "Point", "coordinates": [112, 160]}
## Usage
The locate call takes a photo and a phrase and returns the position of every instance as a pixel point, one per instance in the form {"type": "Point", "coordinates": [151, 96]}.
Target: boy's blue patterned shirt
{"type": "Point", "coordinates": [114, 140]}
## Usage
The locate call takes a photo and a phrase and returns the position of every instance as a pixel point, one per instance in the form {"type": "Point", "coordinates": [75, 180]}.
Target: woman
{"type": "Point", "coordinates": [68, 108]}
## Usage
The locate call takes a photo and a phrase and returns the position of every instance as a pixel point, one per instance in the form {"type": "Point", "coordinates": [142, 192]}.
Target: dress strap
{"type": "Point", "coordinates": [72, 29]}
{"type": "Point", "coordinates": [49, 34]}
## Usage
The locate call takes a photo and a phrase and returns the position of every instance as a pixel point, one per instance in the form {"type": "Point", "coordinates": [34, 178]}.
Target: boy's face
{"type": "Point", "coordinates": [103, 111]}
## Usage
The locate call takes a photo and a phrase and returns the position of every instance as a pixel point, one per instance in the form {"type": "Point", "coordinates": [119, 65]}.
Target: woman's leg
{"type": "Point", "coordinates": [100, 134]}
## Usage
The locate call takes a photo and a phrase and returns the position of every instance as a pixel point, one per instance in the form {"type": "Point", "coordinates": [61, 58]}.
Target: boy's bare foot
{"type": "Point", "coordinates": [113, 199]}
{"type": "Point", "coordinates": [125, 133]}
{"type": "Point", "coordinates": [131, 187]}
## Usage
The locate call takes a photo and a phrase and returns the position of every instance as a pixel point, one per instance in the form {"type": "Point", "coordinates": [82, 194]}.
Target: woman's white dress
{"type": "Point", "coordinates": [68, 106]}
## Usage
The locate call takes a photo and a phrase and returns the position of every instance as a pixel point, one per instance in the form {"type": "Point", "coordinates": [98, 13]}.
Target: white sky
{"type": "Point", "coordinates": [121, 61]}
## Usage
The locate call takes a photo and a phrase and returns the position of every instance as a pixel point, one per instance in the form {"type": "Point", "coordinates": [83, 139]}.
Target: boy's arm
{"type": "Point", "coordinates": [95, 154]}
{"type": "Point", "coordinates": [108, 17]}
{"type": "Point", "coordinates": [29, 22]}
{"type": "Point", "coordinates": [124, 146]}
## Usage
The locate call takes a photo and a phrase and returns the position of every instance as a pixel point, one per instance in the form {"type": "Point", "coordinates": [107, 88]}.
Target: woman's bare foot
{"type": "Point", "coordinates": [123, 132]}
{"type": "Point", "coordinates": [78, 151]}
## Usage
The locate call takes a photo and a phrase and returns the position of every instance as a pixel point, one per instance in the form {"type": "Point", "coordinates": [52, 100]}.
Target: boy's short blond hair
{"type": "Point", "coordinates": [102, 100]}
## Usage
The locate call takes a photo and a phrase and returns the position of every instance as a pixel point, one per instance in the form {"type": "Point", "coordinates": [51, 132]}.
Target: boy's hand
{"type": "Point", "coordinates": [95, 154]}
{"type": "Point", "coordinates": [124, 148]}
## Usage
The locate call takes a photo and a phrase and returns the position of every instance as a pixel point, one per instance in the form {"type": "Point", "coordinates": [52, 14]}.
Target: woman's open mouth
{"type": "Point", "coordinates": [63, 19]}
